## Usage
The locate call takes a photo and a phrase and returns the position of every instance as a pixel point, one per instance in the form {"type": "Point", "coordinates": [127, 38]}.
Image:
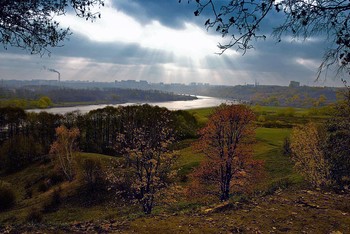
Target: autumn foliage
{"type": "Point", "coordinates": [227, 142]}
{"type": "Point", "coordinates": [307, 152]}
{"type": "Point", "coordinates": [144, 142]}
{"type": "Point", "coordinates": [64, 149]}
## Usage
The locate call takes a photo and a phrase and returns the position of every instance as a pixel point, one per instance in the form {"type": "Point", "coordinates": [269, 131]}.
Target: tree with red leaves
{"type": "Point", "coordinates": [226, 141]}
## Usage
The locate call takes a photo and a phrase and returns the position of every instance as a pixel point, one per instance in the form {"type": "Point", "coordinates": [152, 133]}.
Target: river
{"type": "Point", "coordinates": [201, 102]}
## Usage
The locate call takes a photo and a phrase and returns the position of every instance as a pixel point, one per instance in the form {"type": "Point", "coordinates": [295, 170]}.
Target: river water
{"type": "Point", "coordinates": [201, 102]}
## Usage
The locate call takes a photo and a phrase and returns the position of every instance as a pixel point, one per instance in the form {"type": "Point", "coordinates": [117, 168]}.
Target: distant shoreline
{"type": "Point", "coordinates": [72, 104]}
{"type": "Point", "coordinates": [194, 103]}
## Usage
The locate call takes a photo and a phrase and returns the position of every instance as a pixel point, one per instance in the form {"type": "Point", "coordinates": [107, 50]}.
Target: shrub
{"type": "Point", "coordinates": [55, 177]}
{"type": "Point", "coordinates": [276, 124]}
{"type": "Point", "coordinates": [261, 118]}
{"type": "Point", "coordinates": [54, 202]}
{"type": "Point", "coordinates": [92, 172]}
{"type": "Point", "coordinates": [34, 216]}
{"type": "Point", "coordinates": [276, 185]}
{"type": "Point", "coordinates": [28, 193]}
{"type": "Point", "coordinates": [7, 196]}
{"type": "Point", "coordinates": [286, 150]}
{"type": "Point", "coordinates": [43, 186]}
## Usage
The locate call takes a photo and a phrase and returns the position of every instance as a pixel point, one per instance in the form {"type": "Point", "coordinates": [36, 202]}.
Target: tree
{"type": "Point", "coordinates": [308, 154]}
{"type": "Point", "coordinates": [144, 142]}
{"type": "Point", "coordinates": [31, 24]}
{"type": "Point", "coordinates": [338, 140]}
{"type": "Point", "coordinates": [242, 20]}
{"type": "Point", "coordinates": [226, 141]}
{"type": "Point", "coordinates": [65, 148]}
{"type": "Point", "coordinates": [321, 152]}
{"type": "Point", "coordinates": [19, 151]}
{"type": "Point", "coordinates": [337, 151]}
{"type": "Point", "coordinates": [11, 121]}
{"type": "Point", "coordinates": [99, 130]}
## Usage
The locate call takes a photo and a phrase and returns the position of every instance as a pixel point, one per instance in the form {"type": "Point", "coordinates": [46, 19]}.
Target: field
{"type": "Point", "coordinates": [282, 202]}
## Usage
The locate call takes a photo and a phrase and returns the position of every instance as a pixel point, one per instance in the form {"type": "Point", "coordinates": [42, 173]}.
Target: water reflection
{"type": "Point", "coordinates": [201, 102]}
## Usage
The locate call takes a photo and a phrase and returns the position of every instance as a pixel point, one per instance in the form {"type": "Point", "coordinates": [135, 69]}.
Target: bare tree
{"type": "Point", "coordinates": [302, 19]}
{"type": "Point", "coordinates": [31, 24]}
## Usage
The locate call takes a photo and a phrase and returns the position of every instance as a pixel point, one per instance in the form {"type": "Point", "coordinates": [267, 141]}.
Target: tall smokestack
{"type": "Point", "coordinates": [55, 71]}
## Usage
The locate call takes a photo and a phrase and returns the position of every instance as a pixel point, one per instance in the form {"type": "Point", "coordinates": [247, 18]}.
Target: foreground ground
{"type": "Point", "coordinates": [300, 211]}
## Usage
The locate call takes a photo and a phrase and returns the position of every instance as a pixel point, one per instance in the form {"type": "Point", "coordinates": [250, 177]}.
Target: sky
{"type": "Point", "coordinates": [162, 41]}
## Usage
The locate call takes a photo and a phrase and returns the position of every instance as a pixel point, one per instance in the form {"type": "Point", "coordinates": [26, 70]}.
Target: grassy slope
{"type": "Point", "coordinates": [75, 206]}
{"type": "Point", "coordinates": [188, 216]}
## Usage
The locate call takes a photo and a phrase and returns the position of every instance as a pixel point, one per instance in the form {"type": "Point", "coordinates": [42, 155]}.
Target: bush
{"type": "Point", "coordinates": [54, 201]}
{"type": "Point", "coordinates": [55, 177]}
{"type": "Point", "coordinates": [279, 184]}
{"type": "Point", "coordinates": [43, 186]}
{"type": "Point", "coordinates": [34, 216]}
{"type": "Point", "coordinates": [290, 112]}
{"type": "Point", "coordinates": [92, 172]}
{"type": "Point", "coordinates": [276, 124]}
{"type": "Point", "coordinates": [286, 150]}
{"type": "Point", "coordinates": [28, 193]}
{"type": "Point", "coordinates": [261, 118]}
{"type": "Point", "coordinates": [7, 196]}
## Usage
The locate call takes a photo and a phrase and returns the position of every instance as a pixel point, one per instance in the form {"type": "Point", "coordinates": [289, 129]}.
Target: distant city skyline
{"type": "Point", "coordinates": [135, 83]}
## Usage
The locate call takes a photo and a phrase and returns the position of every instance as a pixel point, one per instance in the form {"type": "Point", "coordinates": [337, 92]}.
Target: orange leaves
{"type": "Point", "coordinates": [227, 141]}
{"type": "Point", "coordinates": [64, 148]}
{"type": "Point", "coordinates": [307, 152]}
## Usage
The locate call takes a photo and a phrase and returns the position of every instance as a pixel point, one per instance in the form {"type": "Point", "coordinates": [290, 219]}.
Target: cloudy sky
{"type": "Point", "coordinates": [162, 41]}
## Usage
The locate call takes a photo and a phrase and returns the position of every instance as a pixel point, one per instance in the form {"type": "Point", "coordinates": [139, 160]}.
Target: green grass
{"type": "Point", "coordinates": [35, 175]}
{"type": "Point", "coordinates": [272, 110]}
{"type": "Point", "coordinates": [187, 161]}
{"type": "Point", "coordinates": [202, 114]}
{"type": "Point", "coordinates": [279, 167]}
{"type": "Point", "coordinates": [269, 141]}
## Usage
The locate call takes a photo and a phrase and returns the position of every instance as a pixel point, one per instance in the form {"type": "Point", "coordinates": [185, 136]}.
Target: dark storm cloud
{"type": "Point", "coordinates": [111, 52]}
{"type": "Point", "coordinates": [170, 13]}
{"type": "Point", "coordinates": [277, 63]}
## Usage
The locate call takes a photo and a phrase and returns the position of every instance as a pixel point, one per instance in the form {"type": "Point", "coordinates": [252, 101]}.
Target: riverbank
{"type": "Point", "coordinates": [43, 97]}
{"type": "Point", "coordinates": [195, 103]}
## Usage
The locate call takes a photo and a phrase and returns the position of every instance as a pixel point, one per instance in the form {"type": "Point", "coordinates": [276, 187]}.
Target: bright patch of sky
{"type": "Point", "coordinates": [163, 42]}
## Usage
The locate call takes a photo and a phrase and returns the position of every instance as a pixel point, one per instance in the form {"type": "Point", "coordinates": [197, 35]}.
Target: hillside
{"type": "Point", "coordinates": [282, 202]}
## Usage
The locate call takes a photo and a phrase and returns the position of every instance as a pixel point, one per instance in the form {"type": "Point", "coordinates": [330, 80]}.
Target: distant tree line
{"type": "Point", "coordinates": [26, 136]}
{"type": "Point", "coordinates": [303, 96]}
{"type": "Point", "coordinates": [271, 95]}
{"type": "Point", "coordinates": [46, 96]}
